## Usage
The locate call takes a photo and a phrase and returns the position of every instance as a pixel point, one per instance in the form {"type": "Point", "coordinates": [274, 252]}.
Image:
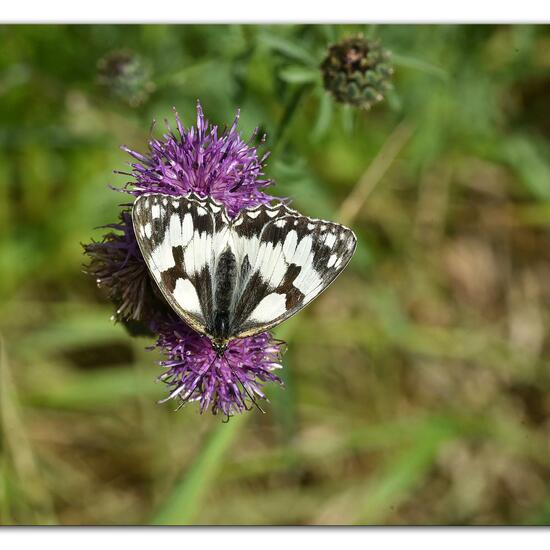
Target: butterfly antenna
{"type": "Point", "coordinates": [244, 387]}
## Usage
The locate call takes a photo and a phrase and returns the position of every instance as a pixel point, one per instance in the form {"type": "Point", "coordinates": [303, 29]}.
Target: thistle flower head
{"type": "Point", "coordinates": [118, 266]}
{"type": "Point", "coordinates": [357, 71]}
{"type": "Point", "coordinates": [227, 384]}
{"type": "Point", "coordinates": [204, 160]}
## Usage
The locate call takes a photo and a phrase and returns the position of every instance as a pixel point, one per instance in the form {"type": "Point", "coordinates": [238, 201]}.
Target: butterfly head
{"type": "Point", "coordinates": [219, 345]}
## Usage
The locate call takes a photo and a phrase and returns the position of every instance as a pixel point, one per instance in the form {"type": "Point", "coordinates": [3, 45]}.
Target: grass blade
{"type": "Point", "coordinates": [183, 504]}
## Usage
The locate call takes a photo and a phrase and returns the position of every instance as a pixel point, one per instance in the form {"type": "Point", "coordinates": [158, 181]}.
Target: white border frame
{"type": "Point", "coordinates": [281, 11]}
{"type": "Point", "coordinates": [273, 538]}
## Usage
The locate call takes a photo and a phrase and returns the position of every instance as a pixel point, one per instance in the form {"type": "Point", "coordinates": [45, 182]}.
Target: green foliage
{"type": "Point", "coordinates": [182, 505]}
{"type": "Point", "coordinates": [417, 386]}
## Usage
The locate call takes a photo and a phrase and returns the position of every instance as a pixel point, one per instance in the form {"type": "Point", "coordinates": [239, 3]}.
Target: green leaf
{"type": "Point", "coordinates": [419, 65]}
{"type": "Point", "coordinates": [299, 74]}
{"type": "Point", "coordinates": [528, 158]}
{"type": "Point", "coordinates": [183, 503]}
{"type": "Point", "coordinates": [324, 116]}
{"type": "Point", "coordinates": [283, 401]}
{"type": "Point", "coordinates": [404, 472]}
{"type": "Point", "coordinates": [370, 31]}
{"type": "Point", "coordinates": [88, 327]}
{"type": "Point", "coordinates": [84, 390]}
{"type": "Point", "coordinates": [288, 48]}
{"type": "Point", "coordinates": [329, 32]}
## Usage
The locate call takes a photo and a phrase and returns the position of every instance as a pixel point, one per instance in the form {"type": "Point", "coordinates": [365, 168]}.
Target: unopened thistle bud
{"type": "Point", "coordinates": [357, 71]}
{"type": "Point", "coordinates": [126, 76]}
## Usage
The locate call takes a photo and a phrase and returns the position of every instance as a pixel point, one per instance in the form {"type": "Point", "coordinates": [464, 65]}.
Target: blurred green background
{"type": "Point", "coordinates": [416, 387]}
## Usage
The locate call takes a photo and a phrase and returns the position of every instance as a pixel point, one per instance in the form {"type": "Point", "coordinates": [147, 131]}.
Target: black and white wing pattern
{"type": "Point", "coordinates": [286, 260]}
{"type": "Point", "coordinates": [180, 238]}
{"type": "Point", "coordinates": [235, 278]}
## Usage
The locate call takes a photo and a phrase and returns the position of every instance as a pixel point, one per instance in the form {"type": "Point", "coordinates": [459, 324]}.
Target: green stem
{"type": "Point", "coordinates": [184, 503]}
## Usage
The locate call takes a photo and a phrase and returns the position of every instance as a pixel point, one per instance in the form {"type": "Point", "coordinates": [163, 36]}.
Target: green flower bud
{"type": "Point", "coordinates": [126, 76]}
{"type": "Point", "coordinates": [357, 71]}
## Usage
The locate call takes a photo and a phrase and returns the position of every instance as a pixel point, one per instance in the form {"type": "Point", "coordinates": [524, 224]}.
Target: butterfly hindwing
{"type": "Point", "coordinates": [294, 259]}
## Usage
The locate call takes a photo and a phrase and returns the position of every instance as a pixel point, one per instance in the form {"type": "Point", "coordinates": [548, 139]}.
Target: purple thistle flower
{"type": "Point", "coordinates": [204, 161]}
{"type": "Point", "coordinates": [227, 384]}
{"type": "Point", "coordinates": [118, 266]}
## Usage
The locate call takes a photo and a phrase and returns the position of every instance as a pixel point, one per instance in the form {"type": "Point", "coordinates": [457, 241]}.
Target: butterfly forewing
{"type": "Point", "coordinates": [235, 278]}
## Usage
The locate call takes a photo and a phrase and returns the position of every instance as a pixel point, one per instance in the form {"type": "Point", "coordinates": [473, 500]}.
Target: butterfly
{"type": "Point", "coordinates": [235, 277]}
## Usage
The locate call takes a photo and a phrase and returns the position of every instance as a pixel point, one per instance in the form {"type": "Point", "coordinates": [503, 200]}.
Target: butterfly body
{"type": "Point", "coordinates": [235, 277]}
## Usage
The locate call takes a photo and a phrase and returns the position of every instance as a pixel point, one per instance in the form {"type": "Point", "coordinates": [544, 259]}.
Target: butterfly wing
{"type": "Point", "coordinates": [285, 261]}
{"type": "Point", "coordinates": [280, 261]}
{"type": "Point", "coordinates": [180, 239]}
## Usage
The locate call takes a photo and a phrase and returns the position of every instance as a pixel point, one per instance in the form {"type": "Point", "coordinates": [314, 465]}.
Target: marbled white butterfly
{"type": "Point", "coordinates": [232, 278]}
